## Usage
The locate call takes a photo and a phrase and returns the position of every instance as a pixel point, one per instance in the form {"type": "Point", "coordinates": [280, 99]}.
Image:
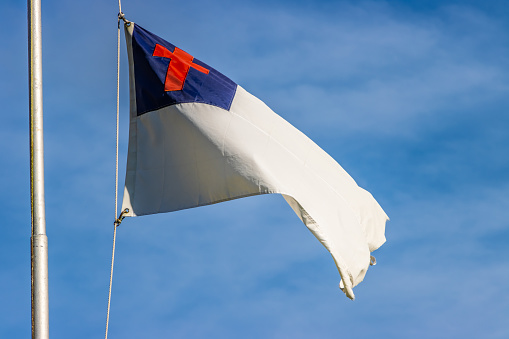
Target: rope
{"type": "Point", "coordinates": [111, 280]}
{"type": "Point", "coordinates": [115, 224]}
{"type": "Point", "coordinates": [119, 220]}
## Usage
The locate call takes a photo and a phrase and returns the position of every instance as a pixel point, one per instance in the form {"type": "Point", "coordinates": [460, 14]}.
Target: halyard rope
{"type": "Point", "coordinates": [119, 219]}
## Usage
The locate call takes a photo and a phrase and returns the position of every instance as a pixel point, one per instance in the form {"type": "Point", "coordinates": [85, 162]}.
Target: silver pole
{"type": "Point", "coordinates": [38, 241]}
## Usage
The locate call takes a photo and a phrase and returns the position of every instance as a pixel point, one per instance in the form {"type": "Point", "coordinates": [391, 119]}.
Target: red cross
{"type": "Point", "coordinates": [178, 67]}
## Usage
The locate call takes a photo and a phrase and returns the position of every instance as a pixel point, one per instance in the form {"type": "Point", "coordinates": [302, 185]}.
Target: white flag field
{"type": "Point", "coordinates": [196, 138]}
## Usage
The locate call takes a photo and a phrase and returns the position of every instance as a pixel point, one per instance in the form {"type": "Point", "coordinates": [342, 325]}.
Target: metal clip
{"type": "Point", "coordinates": [121, 217]}
{"type": "Point", "coordinates": [121, 16]}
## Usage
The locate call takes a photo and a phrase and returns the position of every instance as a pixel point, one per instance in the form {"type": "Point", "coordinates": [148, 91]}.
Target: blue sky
{"type": "Point", "coordinates": [410, 97]}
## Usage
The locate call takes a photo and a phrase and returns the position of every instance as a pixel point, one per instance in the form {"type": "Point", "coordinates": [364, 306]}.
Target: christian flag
{"type": "Point", "coordinates": [197, 138]}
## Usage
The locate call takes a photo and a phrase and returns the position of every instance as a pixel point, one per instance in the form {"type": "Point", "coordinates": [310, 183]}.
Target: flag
{"type": "Point", "coordinates": [197, 138]}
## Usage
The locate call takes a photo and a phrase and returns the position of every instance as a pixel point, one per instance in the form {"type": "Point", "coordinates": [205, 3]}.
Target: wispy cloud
{"type": "Point", "coordinates": [411, 101]}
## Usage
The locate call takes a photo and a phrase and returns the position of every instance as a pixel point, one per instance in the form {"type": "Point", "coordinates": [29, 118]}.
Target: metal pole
{"type": "Point", "coordinates": [38, 240]}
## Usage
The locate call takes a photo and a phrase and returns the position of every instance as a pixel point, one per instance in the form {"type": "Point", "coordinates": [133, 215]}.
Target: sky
{"type": "Point", "coordinates": [410, 97]}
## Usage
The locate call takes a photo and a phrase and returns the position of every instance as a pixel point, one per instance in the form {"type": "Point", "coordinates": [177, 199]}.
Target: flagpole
{"type": "Point", "coordinates": [38, 240]}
